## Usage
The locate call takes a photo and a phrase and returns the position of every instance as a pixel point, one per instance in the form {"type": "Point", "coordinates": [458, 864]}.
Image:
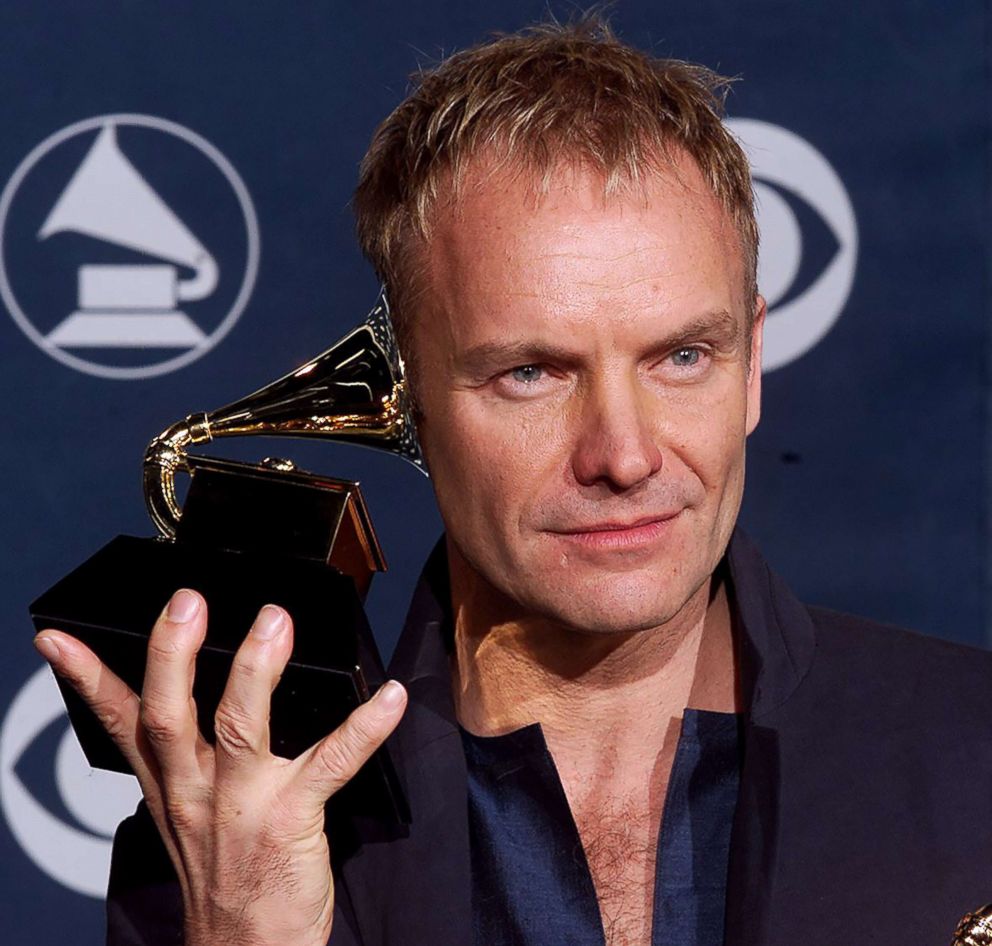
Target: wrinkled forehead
{"type": "Point", "coordinates": [499, 215]}
{"type": "Point", "coordinates": [510, 262]}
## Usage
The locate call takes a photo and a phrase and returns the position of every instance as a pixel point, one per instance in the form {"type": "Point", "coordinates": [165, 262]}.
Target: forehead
{"type": "Point", "coordinates": [565, 243]}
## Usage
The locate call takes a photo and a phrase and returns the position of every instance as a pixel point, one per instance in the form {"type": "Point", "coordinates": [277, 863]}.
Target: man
{"type": "Point", "coordinates": [619, 729]}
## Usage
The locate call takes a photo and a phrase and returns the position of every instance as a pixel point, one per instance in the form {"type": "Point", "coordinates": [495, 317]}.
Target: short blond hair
{"type": "Point", "coordinates": [549, 95]}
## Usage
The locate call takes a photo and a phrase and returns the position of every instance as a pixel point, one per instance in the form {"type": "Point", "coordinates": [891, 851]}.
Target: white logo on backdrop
{"type": "Point", "coordinates": [76, 857]}
{"type": "Point", "coordinates": [127, 305]}
{"type": "Point", "coordinates": [781, 157]}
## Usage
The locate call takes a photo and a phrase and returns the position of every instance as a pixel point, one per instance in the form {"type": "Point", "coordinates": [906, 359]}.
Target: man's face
{"type": "Point", "coordinates": [583, 375]}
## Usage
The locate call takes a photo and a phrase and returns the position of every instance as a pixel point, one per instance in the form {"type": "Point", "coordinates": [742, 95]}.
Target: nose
{"type": "Point", "coordinates": [616, 443]}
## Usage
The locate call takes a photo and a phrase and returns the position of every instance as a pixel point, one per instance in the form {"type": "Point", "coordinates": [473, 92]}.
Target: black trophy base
{"type": "Point", "coordinates": [112, 600]}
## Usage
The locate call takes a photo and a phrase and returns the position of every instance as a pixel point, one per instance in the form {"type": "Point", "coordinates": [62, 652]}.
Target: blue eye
{"type": "Point", "coordinates": [686, 357]}
{"type": "Point", "coordinates": [527, 374]}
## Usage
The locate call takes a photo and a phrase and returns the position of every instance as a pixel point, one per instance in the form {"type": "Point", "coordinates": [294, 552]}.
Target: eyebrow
{"type": "Point", "coordinates": [720, 327]}
{"type": "Point", "coordinates": [484, 358]}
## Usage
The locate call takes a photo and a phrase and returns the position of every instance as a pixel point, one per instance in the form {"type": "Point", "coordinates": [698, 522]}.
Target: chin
{"type": "Point", "coordinates": [615, 604]}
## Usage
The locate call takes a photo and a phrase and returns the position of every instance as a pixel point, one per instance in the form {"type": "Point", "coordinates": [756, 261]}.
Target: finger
{"type": "Point", "coordinates": [241, 723]}
{"type": "Point", "coordinates": [168, 714]}
{"type": "Point", "coordinates": [333, 761]}
{"type": "Point", "coordinates": [112, 701]}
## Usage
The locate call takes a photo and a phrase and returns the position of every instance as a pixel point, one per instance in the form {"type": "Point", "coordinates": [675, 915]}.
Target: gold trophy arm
{"type": "Point", "coordinates": [355, 392]}
{"type": "Point", "coordinates": [166, 456]}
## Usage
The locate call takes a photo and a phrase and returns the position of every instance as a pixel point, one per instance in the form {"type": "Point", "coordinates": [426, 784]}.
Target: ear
{"type": "Point", "coordinates": [754, 368]}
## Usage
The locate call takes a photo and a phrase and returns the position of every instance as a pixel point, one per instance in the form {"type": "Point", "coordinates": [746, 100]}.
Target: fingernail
{"type": "Point", "coordinates": [183, 606]}
{"type": "Point", "coordinates": [268, 623]}
{"type": "Point", "coordinates": [48, 648]}
{"type": "Point", "coordinates": [390, 696]}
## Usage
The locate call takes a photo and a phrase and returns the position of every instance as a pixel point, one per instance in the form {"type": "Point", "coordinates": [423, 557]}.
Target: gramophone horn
{"type": "Point", "coordinates": [354, 391]}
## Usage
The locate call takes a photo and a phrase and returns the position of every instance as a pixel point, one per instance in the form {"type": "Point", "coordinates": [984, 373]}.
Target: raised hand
{"type": "Point", "coordinates": [244, 828]}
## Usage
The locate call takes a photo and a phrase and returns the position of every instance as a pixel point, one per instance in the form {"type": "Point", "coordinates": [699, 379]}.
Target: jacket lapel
{"type": "Point", "coordinates": [775, 632]}
{"type": "Point", "coordinates": [415, 888]}
{"type": "Point", "coordinates": [776, 641]}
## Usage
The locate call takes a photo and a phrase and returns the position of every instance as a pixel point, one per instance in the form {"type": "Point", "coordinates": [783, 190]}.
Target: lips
{"type": "Point", "coordinates": [611, 526]}
{"type": "Point", "coordinates": [619, 535]}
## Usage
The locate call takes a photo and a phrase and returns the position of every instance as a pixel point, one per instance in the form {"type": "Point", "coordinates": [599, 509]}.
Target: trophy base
{"type": "Point", "coordinates": [111, 601]}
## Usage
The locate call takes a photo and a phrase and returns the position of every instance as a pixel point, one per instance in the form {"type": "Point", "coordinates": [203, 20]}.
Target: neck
{"type": "Point", "coordinates": [512, 669]}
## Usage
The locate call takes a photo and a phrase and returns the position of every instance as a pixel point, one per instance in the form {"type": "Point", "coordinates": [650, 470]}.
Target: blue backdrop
{"type": "Point", "coordinates": [234, 130]}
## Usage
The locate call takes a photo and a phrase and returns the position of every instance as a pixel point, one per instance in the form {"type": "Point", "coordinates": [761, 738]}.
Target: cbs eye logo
{"type": "Point", "coordinates": [62, 813]}
{"type": "Point", "coordinates": [809, 238]}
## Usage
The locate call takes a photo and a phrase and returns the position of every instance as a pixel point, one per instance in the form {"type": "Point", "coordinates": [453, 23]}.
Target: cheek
{"type": "Point", "coordinates": [708, 439]}
{"type": "Point", "coordinates": [725, 459]}
{"type": "Point", "coordinates": [489, 464]}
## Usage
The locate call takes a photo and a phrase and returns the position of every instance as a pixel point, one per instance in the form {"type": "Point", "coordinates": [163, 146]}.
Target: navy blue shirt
{"type": "Point", "coordinates": [531, 884]}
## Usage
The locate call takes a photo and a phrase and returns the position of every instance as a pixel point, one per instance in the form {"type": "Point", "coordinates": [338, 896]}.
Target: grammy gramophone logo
{"type": "Point", "coordinates": [128, 246]}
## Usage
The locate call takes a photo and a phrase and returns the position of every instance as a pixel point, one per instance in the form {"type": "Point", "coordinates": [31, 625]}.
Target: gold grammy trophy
{"type": "Point", "coordinates": [975, 929]}
{"type": "Point", "coordinates": [249, 534]}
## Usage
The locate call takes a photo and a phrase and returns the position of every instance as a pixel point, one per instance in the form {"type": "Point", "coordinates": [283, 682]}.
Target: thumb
{"type": "Point", "coordinates": [327, 766]}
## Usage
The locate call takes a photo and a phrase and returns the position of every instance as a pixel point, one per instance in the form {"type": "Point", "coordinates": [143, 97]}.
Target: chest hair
{"type": "Point", "coordinates": [620, 844]}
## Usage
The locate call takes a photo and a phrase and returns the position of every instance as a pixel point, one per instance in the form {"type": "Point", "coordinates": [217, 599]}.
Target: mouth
{"type": "Point", "coordinates": [610, 534]}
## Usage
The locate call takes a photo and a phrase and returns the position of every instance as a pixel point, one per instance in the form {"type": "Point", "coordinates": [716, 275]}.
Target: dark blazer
{"type": "Point", "coordinates": [865, 809]}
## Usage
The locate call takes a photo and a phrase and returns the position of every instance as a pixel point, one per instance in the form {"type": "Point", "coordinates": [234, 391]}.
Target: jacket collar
{"type": "Point", "coordinates": [775, 634]}
{"type": "Point", "coordinates": [426, 642]}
